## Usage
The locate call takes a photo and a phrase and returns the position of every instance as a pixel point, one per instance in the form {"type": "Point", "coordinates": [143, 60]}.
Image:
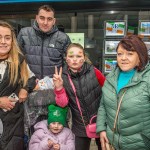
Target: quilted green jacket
{"type": "Point", "coordinates": [133, 124]}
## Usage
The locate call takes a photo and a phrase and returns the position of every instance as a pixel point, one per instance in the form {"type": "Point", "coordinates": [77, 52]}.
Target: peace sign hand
{"type": "Point", "coordinates": [57, 79]}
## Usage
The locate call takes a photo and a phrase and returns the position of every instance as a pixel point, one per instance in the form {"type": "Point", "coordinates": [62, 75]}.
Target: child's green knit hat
{"type": "Point", "coordinates": [57, 114]}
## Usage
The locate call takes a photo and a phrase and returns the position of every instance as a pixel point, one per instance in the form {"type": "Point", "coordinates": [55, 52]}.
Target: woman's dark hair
{"type": "Point", "coordinates": [135, 43]}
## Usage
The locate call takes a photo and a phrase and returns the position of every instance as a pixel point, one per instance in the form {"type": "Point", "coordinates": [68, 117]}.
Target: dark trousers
{"type": "Point", "coordinates": [83, 143]}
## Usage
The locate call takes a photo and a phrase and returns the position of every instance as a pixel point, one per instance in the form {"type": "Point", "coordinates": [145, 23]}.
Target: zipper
{"type": "Point", "coordinates": [82, 98]}
{"type": "Point", "coordinates": [118, 134]}
{"type": "Point", "coordinates": [117, 125]}
{"type": "Point", "coordinates": [43, 37]}
{"type": "Point", "coordinates": [117, 128]}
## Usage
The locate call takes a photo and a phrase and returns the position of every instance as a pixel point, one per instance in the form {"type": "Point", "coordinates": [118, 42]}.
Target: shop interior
{"type": "Point", "coordinates": [89, 22]}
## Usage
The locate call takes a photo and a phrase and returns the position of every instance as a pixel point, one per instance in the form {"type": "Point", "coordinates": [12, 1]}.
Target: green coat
{"type": "Point", "coordinates": [133, 124]}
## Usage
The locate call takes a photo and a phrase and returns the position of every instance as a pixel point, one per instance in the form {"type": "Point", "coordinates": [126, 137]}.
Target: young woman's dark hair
{"type": "Point", "coordinates": [135, 43]}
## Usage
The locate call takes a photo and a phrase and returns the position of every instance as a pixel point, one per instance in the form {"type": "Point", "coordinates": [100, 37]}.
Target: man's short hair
{"type": "Point", "coordinates": [46, 8]}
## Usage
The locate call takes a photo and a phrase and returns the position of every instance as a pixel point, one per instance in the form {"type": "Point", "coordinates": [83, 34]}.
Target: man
{"type": "Point", "coordinates": [43, 44]}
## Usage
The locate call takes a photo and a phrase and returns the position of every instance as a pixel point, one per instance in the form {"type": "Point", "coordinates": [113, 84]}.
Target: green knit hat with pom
{"type": "Point", "coordinates": [57, 114]}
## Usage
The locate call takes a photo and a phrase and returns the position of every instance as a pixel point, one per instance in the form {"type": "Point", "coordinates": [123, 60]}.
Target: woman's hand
{"type": "Point", "coordinates": [103, 140]}
{"type": "Point", "coordinates": [6, 103]}
{"type": "Point", "coordinates": [36, 88]}
{"type": "Point", "coordinates": [22, 95]}
{"type": "Point", "coordinates": [57, 79]}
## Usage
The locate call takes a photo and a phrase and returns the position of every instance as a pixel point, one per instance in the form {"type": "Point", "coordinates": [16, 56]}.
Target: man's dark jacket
{"type": "Point", "coordinates": [43, 51]}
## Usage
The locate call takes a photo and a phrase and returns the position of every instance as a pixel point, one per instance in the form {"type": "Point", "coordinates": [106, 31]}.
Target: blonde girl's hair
{"type": "Point", "coordinates": [14, 59]}
{"type": "Point", "coordinates": [80, 47]}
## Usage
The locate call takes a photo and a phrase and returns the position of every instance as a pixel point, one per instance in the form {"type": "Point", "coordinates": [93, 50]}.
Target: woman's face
{"type": "Point", "coordinates": [55, 127]}
{"type": "Point", "coordinates": [5, 41]}
{"type": "Point", "coordinates": [127, 60]}
{"type": "Point", "coordinates": [75, 58]}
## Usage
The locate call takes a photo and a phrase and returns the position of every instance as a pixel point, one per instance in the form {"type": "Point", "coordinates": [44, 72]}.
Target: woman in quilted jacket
{"type": "Point", "coordinates": [126, 91]}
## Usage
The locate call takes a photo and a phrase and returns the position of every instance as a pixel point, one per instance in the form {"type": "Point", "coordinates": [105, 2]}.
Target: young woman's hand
{"type": "Point", "coordinates": [6, 103]}
{"type": "Point", "coordinates": [36, 88]}
{"type": "Point", "coordinates": [22, 95]}
{"type": "Point", "coordinates": [103, 140]}
{"type": "Point", "coordinates": [57, 79]}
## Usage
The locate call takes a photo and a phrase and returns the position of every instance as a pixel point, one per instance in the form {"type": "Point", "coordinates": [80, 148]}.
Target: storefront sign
{"type": "Point", "coordinates": [109, 64]}
{"type": "Point", "coordinates": [144, 28]}
{"type": "Point", "coordinates": [115, 28]}
{"type": "Point", "coordinates": [110, 47]}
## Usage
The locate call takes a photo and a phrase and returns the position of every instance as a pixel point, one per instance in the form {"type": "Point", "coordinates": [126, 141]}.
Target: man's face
{"type": "Point", "coordinates": [45, 20]}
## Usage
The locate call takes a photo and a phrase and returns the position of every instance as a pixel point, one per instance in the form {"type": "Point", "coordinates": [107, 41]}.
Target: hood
{"type": "Point", "coordinates": [36, 27]}
{"type": "Point", "coordinates": [41, 125]}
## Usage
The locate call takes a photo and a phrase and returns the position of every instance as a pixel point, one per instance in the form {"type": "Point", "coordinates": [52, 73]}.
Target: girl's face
{"type": "Point", "coordinates": [5, 41]}
{"type": "Point", "coordinates": [55, 127]}
{"type": "Point", "coordinates": [127, 60]}
{"type": "Point", "coordinates": [75, 58]}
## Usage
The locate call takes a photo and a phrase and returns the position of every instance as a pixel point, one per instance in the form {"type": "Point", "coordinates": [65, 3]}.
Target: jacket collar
{"type": "Point", "coordinates": [112, 77]}
{"type": "Point", "coordinates": [85, 68]}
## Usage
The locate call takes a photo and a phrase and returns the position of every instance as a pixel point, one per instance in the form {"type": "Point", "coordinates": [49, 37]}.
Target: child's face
{"type": "Point", "coordinates": [75, 58]}
{"type": "Point", "coordinates": [55, 127]}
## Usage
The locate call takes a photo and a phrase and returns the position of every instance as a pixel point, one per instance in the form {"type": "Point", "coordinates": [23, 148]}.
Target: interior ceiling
{"type": "Point", "coordinates": [99, 18]}
{"type": "Point", "coordinates": [77, 6]}
{"type": "Point", "coordinates": [100, 9]}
